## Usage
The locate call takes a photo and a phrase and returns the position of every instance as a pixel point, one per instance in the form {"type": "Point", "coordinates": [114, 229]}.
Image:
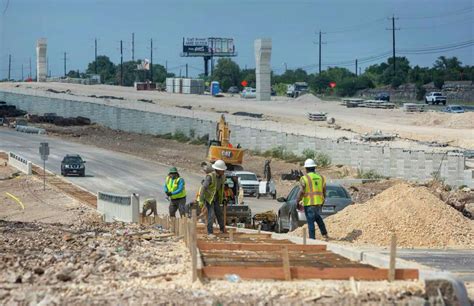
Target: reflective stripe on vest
{"type": "Point", "coordinates": [313, 193]}
{"type": "Point", "coordinates": [172, 185]}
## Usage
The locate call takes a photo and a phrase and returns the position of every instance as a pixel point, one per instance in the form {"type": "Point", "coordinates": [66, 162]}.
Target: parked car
{"type": "Point", "coordinates": [73, 164]}
{"type": "Point", "coordinates": [382, 96]}
{"type": "Point", "coordinates": [435, 98]}
{"type": "Point", "coordinates": [249, 182]}
{"type": "Point", "coordinates": [454, 109]}
{"type": "Point", "coordinates": [249, 93]}
{"type": "Point", "coordinates": [290, 217]}
{"type": "Point", "coordinates": [233, 90]}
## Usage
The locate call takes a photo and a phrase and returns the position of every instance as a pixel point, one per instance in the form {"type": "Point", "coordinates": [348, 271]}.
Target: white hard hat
{"type": "Point", "coordinates": [219, 165]}
{"type": "Point", "coordinates": [309, 163]}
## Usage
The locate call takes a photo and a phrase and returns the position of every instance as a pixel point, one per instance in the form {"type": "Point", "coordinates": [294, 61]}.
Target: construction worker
{"type": "Point", "coordinates": [212, 196]}
{"type": "Point", "coordinates": [176, 191]}
{"type": "Point", "coordinates": [311, 196]}
{"type": "Point", "coordinates": [228, 194]}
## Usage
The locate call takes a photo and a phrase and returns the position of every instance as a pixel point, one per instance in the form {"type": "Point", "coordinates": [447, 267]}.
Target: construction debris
{"type": "Point", "coordinates": [294, 175]}
{"type": "Point", "coordinates": [413, 107]}
{"type": "Point", "coordinates": [106, 97]}
{"type": "Point", "coordinates": [59, 120]}
{"type": "Point", "coordinates": [318, 116]}
{"type": "Point", "coordinates": [378, 136]}
{"type": "Point", "coordinates": [253, 115]}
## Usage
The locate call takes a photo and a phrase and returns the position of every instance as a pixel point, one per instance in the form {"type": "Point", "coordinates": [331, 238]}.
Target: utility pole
{"type": "Point", "coordinates": [151, 60]}
{"type": "Point", "coordinates": [64, 64]}
{"type": "Point", "coordinates": [121, 64]}
{"type": "Point", "coordinates": [30, 69]}
{"type": "Point", "coordinates": [95, 56]}
{"type": "Point", "coordinates": [356, 68]}
{"type": "Point", "coordinates": [9, 66]}
{"type": "Point", "coordinates": [133, 46]}
{"type": "Point", "coordinates": [22, 73]}
{"type": "Point", "coordinates": [47, 66]}
{"type": "Point", "coordinates": [186, 70]}
{"type": "Point", "coordinates": [320, 43]}
{"type": "Point", "coordinates": [166, 67]}
{"type": "Point", "coordinates": [393, 43]}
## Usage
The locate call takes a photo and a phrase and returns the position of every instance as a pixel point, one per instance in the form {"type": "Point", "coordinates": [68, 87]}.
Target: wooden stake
{"type": "Point", "coordinates": [304, 235]}
{"type": "Point", "coordinates": [225, 218]}
{"type": "Point", "coordinates": [259, 228]}
{"type": "Point", "coordinates": [231, 235]}
{"type": "Point", "coordinates": [286, 263]}
{"type": "Point", "coordinates": [194, 246]}
{"type": "Point", "coordinates": [393, 257]}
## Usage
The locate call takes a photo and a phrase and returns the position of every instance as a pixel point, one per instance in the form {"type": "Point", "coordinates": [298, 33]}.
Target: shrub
{"type": "Point", "coordinates": [308, 153]}
{"type": "Point", "coordinates": [322, 160]}
{"type": "Point", "coordinates": [369, 175]}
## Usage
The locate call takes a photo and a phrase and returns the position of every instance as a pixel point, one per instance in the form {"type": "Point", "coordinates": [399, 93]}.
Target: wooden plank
{"type": "Point", "coordinates": [286, 263]}
{"type": "Point", "coordinates": [393, 257]}
{"type": "Point", "coordinates": [304, 235]}
{"type": "Point", "coordinates": [277, 273]}
{"type": "Point", "coordinates": [194, 250]}
{"type": "Point", "coordinates": [205, 245]}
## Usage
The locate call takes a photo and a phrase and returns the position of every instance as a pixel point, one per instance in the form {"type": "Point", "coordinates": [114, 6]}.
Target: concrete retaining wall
{"type": "Point", "coordinates": [392, 162]}
{"type": "Point", "coordinates": [19, 162]}
{"type": "Point", "coordinates": [118, 207]}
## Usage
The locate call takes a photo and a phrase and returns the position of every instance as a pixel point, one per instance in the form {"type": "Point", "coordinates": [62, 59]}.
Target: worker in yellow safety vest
{"type": "Point", "coordinates": [212, 196]}
{"type": "Point", "coordinates": [175, 189]}
{"type": "Point", "coordinates": [311, 196]}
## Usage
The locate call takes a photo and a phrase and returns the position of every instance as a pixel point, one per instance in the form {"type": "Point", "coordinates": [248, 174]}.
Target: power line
{"type": "Point", "coordinates": [448, 14]}
{"type": "Point", "coordinates": [355, 27]}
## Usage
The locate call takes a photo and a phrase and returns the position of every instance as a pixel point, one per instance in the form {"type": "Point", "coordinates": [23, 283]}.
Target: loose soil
{"type": "Point", "coordinates": [413, 213]}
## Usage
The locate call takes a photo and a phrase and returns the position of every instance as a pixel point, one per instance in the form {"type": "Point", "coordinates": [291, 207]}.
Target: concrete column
{"type": "Point", "coordinates": [263, 52]}
{"type": "Point", "coordinates": [41, 65]}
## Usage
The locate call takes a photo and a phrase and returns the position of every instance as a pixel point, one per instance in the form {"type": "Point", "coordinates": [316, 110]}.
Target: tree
{"type": "Point", "coordinates": [249, 76]}
{"type": "Point", "coordinates": [227, 73]}
{"type": "Point", "coordinates": [73, 74]}
{"type": "Point", "coordinates": [105, 68]}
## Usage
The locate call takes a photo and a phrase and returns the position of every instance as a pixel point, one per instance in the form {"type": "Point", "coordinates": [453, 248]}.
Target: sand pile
{"type": "Point", "coordinates": [457, 121]}
{"type": "Point", "coordinates": [308, 98]}
{"type": "Point", "coordinates": [418, 218]}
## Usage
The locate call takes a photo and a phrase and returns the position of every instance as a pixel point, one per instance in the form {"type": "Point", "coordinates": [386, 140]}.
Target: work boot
{"type": "Point", "coordinates": [325, 237]}
{"type": "Point", "coordinates": [211, 236]}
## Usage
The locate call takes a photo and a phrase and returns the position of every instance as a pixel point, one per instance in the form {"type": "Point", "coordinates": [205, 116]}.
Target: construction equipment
{"type": "Point", "coordinates": [221, 148]}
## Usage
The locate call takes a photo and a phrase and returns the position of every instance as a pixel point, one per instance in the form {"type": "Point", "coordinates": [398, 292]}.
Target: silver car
{"type": "Point", "coordinates": [290, 217]}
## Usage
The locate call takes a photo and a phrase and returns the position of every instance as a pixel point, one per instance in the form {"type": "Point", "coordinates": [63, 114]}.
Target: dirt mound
{"type": "Point", "coordinates": [456, 121]}
{"type": "Point", "coordinates": [308, 98]}
{"type": "Point", "coordinates": [417, 216]}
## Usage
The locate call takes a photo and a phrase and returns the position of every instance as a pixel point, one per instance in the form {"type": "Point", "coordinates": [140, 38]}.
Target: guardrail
{"type": "Point", "coordinates": [19, 162]}
{"type": "Point", "coordinates": [118, 207]}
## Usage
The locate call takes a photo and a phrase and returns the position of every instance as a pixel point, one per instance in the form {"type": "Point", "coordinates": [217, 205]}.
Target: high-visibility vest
{"type": "Point", "coordinates": [313, 191]}
{"type": "Point", "coordinates": [212, 191]}
{"type": "Point", "coordinates": [172, 185]}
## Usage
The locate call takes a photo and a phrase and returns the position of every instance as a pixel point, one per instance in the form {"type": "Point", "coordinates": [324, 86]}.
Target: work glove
{"type": "Point", "coordinates": [299, 205]}
{"type": "Point", "coordinates": [169, 194]}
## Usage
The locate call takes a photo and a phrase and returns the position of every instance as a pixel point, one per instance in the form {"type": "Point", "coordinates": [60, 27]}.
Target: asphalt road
{"type": "Point", "coordinates": [121, 173]}
{"type": "Point", "coordinates": [110, 171]}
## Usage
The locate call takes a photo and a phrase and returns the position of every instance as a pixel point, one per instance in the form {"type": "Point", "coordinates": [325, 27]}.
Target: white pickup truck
{"type": "Point", "coordinates": [435, 98]}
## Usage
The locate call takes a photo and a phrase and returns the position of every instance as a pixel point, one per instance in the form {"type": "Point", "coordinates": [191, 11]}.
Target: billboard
{"type": "Point", "coordinates": [212, 46]}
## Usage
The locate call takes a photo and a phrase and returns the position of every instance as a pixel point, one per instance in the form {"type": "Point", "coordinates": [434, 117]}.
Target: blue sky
{"type": "Point", "coordinates": [354, 29]}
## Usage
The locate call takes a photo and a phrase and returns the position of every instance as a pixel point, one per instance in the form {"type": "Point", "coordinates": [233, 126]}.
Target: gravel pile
{"type": "Point", "coordinates": [418, 218]}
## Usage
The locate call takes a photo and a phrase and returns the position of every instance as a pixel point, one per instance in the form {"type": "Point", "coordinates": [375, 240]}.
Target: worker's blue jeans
{"type": "Point", "coordinates": [214, 210]}
{"type": "Point", "coordinates": [313, 214]}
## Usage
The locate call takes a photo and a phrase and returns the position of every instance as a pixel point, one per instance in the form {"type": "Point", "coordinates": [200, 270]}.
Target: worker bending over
{"type": "Point", "coordinates": [212, 196]}
{"type": "Point", "coordinates": [175, 189]}
{"type": "Point", "coordinates": [312, 191]}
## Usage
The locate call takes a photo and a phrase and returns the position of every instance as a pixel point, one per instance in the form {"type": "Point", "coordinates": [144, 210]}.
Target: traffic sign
{"type": "Point", "coordinates": [332, 84]}
{"type": "Point", "coordinates": [44, 150]}
{"type": "Point", "coordinates": [244, 83]}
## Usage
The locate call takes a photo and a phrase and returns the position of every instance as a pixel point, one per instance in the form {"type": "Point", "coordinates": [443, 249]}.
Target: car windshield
{"type": "Point", "coordinates": [335, 192]}
{"type": "Point", "coordinates": [437, 94]}
{"type": "Point", "coordinates": [247, 177]}
{"type": "Point", "coordinates": [72, 160]}
{"type": "Point", "coordinates": [456, 108]}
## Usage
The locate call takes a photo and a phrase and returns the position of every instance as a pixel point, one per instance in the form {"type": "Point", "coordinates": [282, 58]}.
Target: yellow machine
{"type": "Point", "coordinates": [221, 148]}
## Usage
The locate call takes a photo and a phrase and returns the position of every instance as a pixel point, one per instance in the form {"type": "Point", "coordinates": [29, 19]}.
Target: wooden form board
{"type": "Point", "coordinates": [277, 273]}
{"type": "Point", "coordinates": [205, 245]}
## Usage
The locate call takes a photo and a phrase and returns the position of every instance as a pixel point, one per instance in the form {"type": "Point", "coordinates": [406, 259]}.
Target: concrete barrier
{"type": "Point", "coordinates": [19, 163]}
{"type": "Point", "coordinates": [118, 207]}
